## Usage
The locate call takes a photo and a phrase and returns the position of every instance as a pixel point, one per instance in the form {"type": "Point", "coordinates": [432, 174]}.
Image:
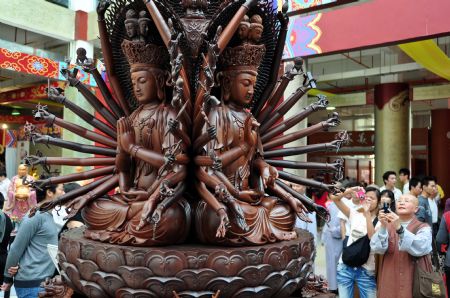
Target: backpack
{"type": "Point", "coordinates": [357, 253]}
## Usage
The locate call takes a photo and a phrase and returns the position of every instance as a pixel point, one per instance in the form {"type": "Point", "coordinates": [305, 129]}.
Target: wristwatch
{"type": "Point", "coordinates": [400, 230]}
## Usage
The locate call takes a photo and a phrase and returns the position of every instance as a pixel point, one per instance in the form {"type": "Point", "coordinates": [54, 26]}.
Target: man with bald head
{"type": "Point", "coordinates": [401, 239]}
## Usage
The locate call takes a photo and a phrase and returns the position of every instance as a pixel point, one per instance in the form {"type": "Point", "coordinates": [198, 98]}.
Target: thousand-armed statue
{"type": "Point", "coordinates": [194, 136]}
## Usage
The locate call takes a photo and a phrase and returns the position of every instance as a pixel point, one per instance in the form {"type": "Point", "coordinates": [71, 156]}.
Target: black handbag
{"type": "Point", "coordinates": [357, 253]}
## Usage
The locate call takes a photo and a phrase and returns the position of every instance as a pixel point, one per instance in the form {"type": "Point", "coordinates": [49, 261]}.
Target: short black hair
{"type": "Point", "coordinates": [427, 179]}
{"type": "Point", "coordinates": [404, 171]}
{"type": "Point", "coordinates": [387, 174]}
{"type": "Point", "coordinates": [375, 190]}
{"type": "Point", "coordinates": [2, 173]}
{"type": "Point", "coordinates": [390, 195]}
{"type": "Point", "coordinates": [413, 182]}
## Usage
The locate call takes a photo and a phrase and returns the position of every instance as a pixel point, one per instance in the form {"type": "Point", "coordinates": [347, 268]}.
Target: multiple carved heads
{"type": "Point", "coordinates": [240, 64]}
{"type": "Point", "coordinates": [148, 62]}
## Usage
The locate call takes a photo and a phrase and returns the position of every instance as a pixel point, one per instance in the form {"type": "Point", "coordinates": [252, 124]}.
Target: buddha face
{"type": "Point", "coordinates": [255, 33]}
{"type": "Point", "coordinates": [143, 28]}
{"type": "Point", "coordinates": [242, 88]}
{"type": "Point", "coordinates": [130, 27]}
{"type": "Point", "coordinates": [22, 170]}
{"type": "Point", "coordinates": [145, 87]}
{"type": "Point", "coordinates": [243, 30]}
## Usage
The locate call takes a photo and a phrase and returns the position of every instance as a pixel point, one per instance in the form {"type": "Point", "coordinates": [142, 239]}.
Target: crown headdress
{"type": "Point", "coordinates": [141, 54]}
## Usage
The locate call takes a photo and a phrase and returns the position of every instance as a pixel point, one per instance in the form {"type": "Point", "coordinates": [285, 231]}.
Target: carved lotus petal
{"type": "Point", "coordinates": [196, 262]}
{"type": "Point", "coordinates": [196, 279]}
{"type": "Point", "coordinates": [135, 257]}
{"type": "Point", "coordinates": [227, 285]}
{"type": "Point", "coordinates": [288, 288]}
{"type": "Point", "coordinates": [294, 251]}
{"type": "Point", "coordinates": [165, 263]}
{"type": "Point", "coordinates": [293, 268]}
{"type": "Point", "coordinates": [69, 282]}
{"type": "Point", "coordinates": [132, 293]}
{"type": "Point", "coordinates": [276, 257]}
{"type": "Point", "coordinates": [255, 275]}
{"type": "Point", "coordinates": [88, 252]}
{"type": "Point", "coordinates": [255, 257]}
{"type": "Point", "coordinates": [72, 251]}
{"type": "Point", "coordinates": [134, 276]}
{"type": "Point", "coordinates": [164, 286]}
{"type": "Point", "coordinates": [73, 274]}
{"type": "Point", "coordinates": [196, 294]}
{"type": "Point", "coordinates": [227, 264]}
{"type": "Point", "coordinates": [61, 257]}
{"type": "Point", "coordinates": [110, 282]}
{"type": "Point", "coordinates": [109, 258]}
{"type": "Point", "coordinates": [306, 249]}
{"type": "Point", "coordinates": [275, 281]}
{"type": "Point", "coordinates": [253, 292]}
{"type": "Point", "coordinates": [86, 268]}
{"type": "Point", "coordinates": [305, 269]}
{"type": "Point", "coordinates": [92, 290]}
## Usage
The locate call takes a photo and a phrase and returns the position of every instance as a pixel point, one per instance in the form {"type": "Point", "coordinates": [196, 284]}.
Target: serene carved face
{"type": "Point", "coordinates": [243, 31]}
{"type": "Point", "coordinates": [255, 34]}
{"type": "Point", "coordinates": [145, 87]}
{"type": "Point", "coordinates": [22, 170]}
{"type": "Point", "coordinates": [131, 29]}
{"type": "Point", "coordinates": [143, 28]}
{"type": "Point", "coordinates": [242, 88]}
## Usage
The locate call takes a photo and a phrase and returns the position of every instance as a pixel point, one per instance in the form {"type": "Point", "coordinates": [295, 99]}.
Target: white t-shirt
{"type": "Point", "coordinates": [58, 217]}
{"type": "Point", "coordinates": [4, 185]}
{"type": "Point", "coordinates": [351, 205]}
{"type": "Point", "coordinates": [358, 229]}
{"type": "Point", "coordinates": [396, 191]}
{"type": "Point", "coordinates": [406, 188]}
{"type": "Point", "coordinates": [434, 210]}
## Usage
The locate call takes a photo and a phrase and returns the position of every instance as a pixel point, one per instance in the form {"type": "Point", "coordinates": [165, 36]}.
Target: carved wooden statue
{"type": "Point", "coordinates": [193, 128]}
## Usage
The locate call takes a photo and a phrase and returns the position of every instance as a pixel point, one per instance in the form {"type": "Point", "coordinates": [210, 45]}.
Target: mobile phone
{"type": "Point", "coordinates": [386, 207]}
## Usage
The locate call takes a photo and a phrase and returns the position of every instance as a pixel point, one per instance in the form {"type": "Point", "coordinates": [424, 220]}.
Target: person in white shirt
{"type": "Point", "coordinates": [361, 224]}
{"type": "Point", "coordinates": [403, 175]}
{"type": "Point", "coordinates": [4, 185]}
{"type": "Point", "coordinates": [389, 179]}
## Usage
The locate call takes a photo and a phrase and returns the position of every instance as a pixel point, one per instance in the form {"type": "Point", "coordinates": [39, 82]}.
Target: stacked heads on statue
{"type": "Point", "coordinates": [190, 155]}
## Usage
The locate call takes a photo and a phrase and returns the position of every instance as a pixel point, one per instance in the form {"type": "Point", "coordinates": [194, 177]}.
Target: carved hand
{"type": "Point", "coordinates": [76, 205]}
{"type": "Point", "coordinates": [55, 94]}
{"type": "Point", "coordinates": [148, 209]}
{"type": "Point", "coordinates": [268, 173]}
{"type": "Point", "coordinates": [224, 223]}
{"type": "Point", "coordinates": [298, 208]}
{"type": "Point", "coordinates": [125, 134]}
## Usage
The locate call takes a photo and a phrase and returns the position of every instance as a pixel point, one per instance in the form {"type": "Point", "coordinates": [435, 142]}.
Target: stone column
{"type": "Point", "coordinates": [440, 148]}
{"type": "Point", "coordinates": [392, 128]}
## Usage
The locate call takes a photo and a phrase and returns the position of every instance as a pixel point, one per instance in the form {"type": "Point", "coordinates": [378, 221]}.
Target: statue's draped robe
{"type": "Point", "coordinates": [269, 219]}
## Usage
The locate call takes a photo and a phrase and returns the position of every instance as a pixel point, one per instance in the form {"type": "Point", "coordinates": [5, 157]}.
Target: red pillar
{"type": "Point", "coordinates": [440, 148]}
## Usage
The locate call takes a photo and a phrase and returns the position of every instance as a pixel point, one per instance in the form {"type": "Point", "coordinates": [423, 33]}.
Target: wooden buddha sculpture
{"type": "Point", "coordinates": [150, 162]}
{"type": "Point", "coordinates": [241, 204]}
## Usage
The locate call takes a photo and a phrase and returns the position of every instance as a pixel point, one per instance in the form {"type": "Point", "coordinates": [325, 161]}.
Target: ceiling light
{"type": "Point", "coordinates": [15, 112]}
{"type": "Point", "coordinates": [4, 126]}
{"type": "Point", "coordinates": [331, 108]}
